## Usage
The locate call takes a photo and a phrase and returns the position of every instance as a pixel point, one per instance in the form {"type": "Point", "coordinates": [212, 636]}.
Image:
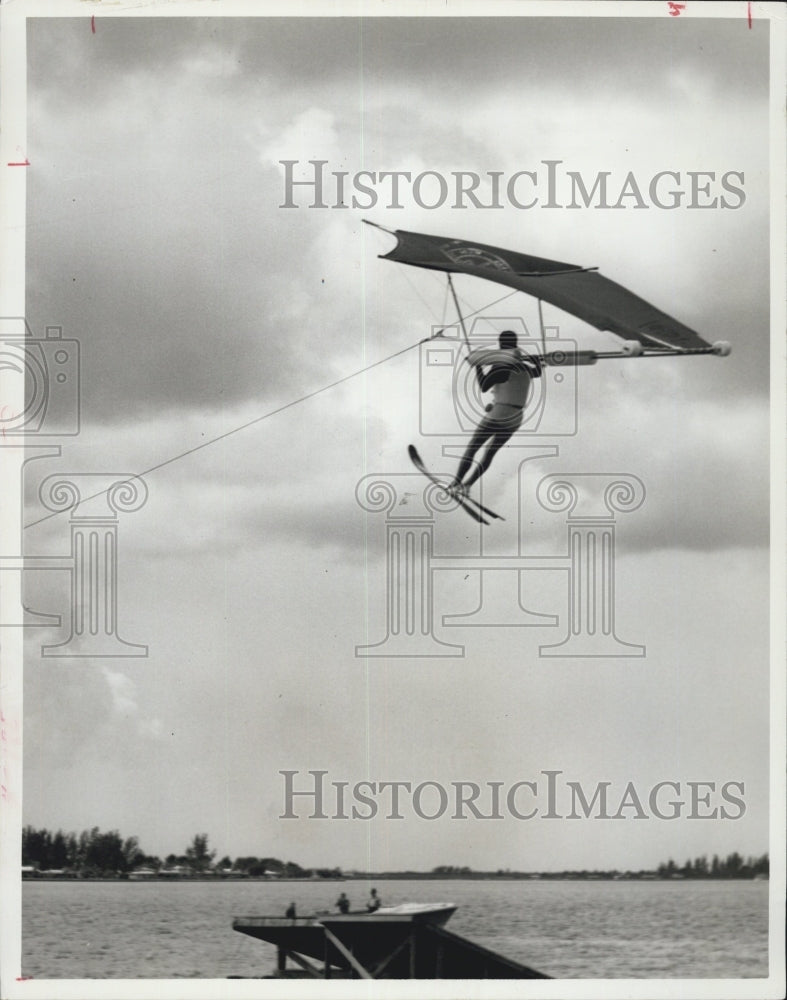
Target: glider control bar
{"type": "Point", "coordinates": [631, 349]}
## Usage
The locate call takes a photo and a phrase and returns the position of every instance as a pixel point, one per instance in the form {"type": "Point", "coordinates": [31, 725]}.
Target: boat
{"type": "Point", "coordinates": [434, 913]}
{"type": "Point", "coordinates": [408, 941]}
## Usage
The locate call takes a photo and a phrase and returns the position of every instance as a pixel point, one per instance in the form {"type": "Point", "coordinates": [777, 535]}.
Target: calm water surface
{"type": "Point", "coordinates": [102, 930]}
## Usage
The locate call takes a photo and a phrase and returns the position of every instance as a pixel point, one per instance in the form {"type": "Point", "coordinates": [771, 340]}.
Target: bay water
{"type": "Point", "coordinates": [566, 929]}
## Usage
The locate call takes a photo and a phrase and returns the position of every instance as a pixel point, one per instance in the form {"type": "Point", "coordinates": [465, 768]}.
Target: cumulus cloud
{"type": "Point", "coordinates": [155, 237]}
{"type": "Point", "coordinates": [123, 691]}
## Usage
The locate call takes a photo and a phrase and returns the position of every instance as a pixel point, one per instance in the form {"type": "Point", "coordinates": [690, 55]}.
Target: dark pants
{"type": "Point", "coordinates": [496, 429]}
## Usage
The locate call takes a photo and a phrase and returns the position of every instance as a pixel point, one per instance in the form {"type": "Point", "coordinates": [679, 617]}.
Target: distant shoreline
{"type": "Point", "coordinates": [93, 856]}
{"type": "Point", "coordinates": [395, 876]}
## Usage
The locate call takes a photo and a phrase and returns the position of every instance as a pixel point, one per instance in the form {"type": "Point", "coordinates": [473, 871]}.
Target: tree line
{"type": "Point", "coordinates": [94, 853]}
{"type": "Point", "coordinates": [733, 866]}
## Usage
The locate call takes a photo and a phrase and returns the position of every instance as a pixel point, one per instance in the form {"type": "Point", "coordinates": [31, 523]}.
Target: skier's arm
{"type": "Point", "coordinates": [531, 363]}
{"type": "Point", "coordinates": [486, 372]}
{"type": "Point", "coordinates": [495, 375]}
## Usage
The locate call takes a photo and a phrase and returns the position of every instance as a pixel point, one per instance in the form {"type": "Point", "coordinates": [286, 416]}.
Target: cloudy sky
{"type": "Point", "coordinates": [156, 237]}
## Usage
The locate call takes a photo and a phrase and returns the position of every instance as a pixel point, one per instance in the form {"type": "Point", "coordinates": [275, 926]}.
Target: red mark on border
{"type": "Point", "coordinates": [93, 24]}
{"type": "Point", "coordinates": [749, 14]}
{"type": "Point", "coordinates": [675, 8]}
{"type": "Point", "coordinates": [24, 163]}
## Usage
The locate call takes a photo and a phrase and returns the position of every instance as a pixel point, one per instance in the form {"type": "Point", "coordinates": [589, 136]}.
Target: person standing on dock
{"type": "Point", "coordinates": [343, 903]}
{"type": "Point", "coordinates": [374, 902]}
{"type": "Point", "coordinates": [290, 912]}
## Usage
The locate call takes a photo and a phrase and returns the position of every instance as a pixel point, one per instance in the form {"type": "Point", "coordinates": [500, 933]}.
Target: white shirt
{"type": "Point", "coordinates": [514, 390]}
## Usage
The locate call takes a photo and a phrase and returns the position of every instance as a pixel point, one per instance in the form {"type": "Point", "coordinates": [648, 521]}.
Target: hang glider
{"type": "Point", "coordinates": [580, 291]}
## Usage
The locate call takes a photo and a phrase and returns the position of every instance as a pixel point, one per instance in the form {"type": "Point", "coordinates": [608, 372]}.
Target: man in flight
{"type": "Point", "coordinates": [507, 373]}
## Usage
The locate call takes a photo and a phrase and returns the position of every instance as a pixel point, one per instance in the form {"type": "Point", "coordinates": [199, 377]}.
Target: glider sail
{"type": "Point", "coordinates": [581, 291]}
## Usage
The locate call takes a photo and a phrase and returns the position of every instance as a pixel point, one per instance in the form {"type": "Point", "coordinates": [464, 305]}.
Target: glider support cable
{"type": "Point", "coordinates": [541, 327]}
{"type": "Point", "coordinates": [458, 310]}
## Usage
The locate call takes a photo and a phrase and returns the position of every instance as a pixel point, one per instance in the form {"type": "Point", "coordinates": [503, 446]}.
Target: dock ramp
{"type": "Point", "coordinates": [382, 945]}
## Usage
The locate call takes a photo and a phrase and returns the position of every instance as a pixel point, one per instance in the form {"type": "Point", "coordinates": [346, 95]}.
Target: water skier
{"type": "Point", "coordinates": [507, 372]}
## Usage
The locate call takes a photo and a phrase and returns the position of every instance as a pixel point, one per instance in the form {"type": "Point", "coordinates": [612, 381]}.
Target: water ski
{"type": "Point", "coordinates": [475, 509]}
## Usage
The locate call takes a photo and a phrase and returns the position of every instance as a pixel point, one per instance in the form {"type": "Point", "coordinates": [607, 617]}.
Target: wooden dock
{"type": "Point", "coordinates": [405, 942]}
